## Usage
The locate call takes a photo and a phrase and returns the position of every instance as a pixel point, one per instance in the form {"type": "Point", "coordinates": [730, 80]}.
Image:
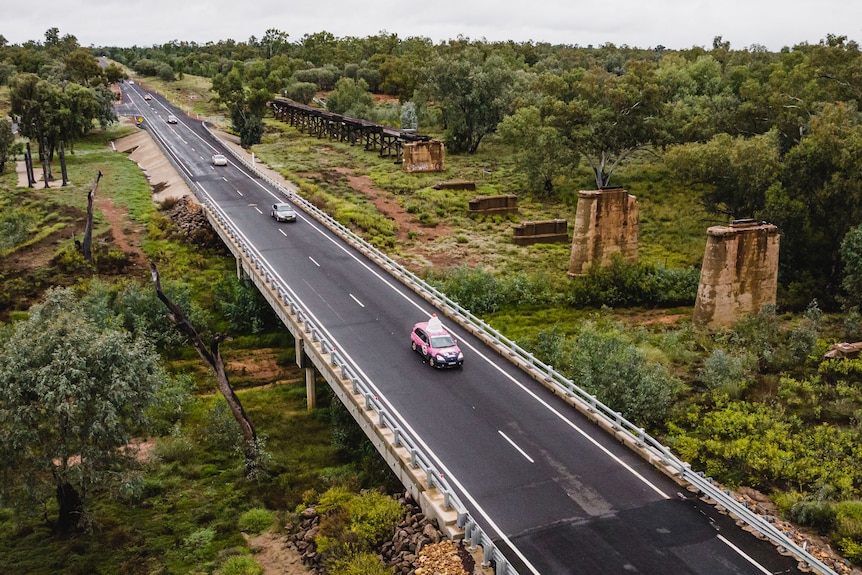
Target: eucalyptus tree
{"type": "Point", "coordinates": [246, 103]}
{"type": "Point", "coordinates": [818, 201]}
{"type": "Point", "coordinates": [73, 393]}
{"type": "Point", "coordinates": [540, 152]}
{"type": "Point", "coordinates": [351, 98]}
{"type": "Point", "coordinates": [274, 42]}
{"type": "Point", "coordinates": [474, 93]}
{"type": "Point", "coordinates": [52, 113]}
{"type": "Point", "coordinates": [733, 173]}
{"type": "Point", "coordinates": [604, 116]}
{"type": "Point", "coordinates": [7, 140]}
{"type": "Point", "coordinates": [83, 68]}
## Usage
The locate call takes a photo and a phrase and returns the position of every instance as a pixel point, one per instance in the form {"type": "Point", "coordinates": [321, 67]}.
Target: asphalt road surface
{"type": "Point", "coordinates": [556, 493]}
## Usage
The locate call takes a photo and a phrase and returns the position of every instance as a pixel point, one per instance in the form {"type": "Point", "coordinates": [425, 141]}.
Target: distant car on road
{"type": "Point", "coordinates": [147, 97]}
{"type": "Point", "coordinates": [172, 119]}
{"type": "Point", "coordinates": [283, 212]}
{"type": "Point", "coordinates": [219, 160]}
{"type": "Point", "coordinates": [431, 340]}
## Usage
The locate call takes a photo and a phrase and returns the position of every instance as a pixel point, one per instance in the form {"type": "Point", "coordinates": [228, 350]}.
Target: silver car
{"type": "Point", "coordinates": [219, 160]}
{"type": "Point", "coordinates": [283, 213]}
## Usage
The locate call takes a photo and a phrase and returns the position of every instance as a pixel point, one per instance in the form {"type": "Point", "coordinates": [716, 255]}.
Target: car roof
{"type": "Point", "coordinates": [282, 206]}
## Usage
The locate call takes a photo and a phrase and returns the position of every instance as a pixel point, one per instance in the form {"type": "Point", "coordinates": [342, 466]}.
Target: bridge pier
{"type": "Point", "coordinates": [241, 274]}
{"type": "Point", "coordinates": [303, 361]}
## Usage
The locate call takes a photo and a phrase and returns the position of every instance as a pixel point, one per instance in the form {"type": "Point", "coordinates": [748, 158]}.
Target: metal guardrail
{"type": "Point", "coordinates": [418, 458]}
{"type": "Point", "coordinates": [567, 387]}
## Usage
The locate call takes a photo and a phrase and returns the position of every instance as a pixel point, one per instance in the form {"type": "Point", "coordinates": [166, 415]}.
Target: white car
{"type": "Point", "coordinates": [147, 97]}
{"type": "Point", "coordinates": [172, 119]}
{"type": "Point", "coordinates": [219, 160]}
{"type": "Point", "coordinates": [283, 212]}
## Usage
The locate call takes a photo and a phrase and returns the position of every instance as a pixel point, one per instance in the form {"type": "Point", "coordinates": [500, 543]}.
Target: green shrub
{"type": "Point", "coordinates": [256, 521]}
{"type": "Point", "coordinates": [473, 288]}
{"type": "Point", "coordinates": [359, 564]}
{"type": "Point", "coordinates": [373, 516]}
{"type": "Point", "coordinates": [15, 226]}
{"type": "Point", "coordinates": [240, 565]}
{"type": "Point", "coordinates": [726, 372]}
{"type": "Point", "coordinates": [851, 549]}
{"type": "Point", "coordinates": [623, 285]}
{"type": "Point", "coordinates": [848, 529]}
{"type": "Point", "coordinates": [176, 448]}
{"type": "Point", "coordinates": [599, 359]}
{"type": "Point", "coordinates": [778, 347]}
{"type": "Point", "coordinates": [198, 545]}
{"type": "Point", "coordinates": [352, 523]}
{"type": "Point", "coordinates": [334, 498]}
{"type": "Point", "coordinates": [816, 513]}
{"type": "Point", "coordinates": [244, 307]}
{"type": "Point", "coordinates": [173, 401]}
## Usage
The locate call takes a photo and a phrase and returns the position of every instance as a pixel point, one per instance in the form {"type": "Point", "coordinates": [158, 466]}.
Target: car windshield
{"type": "Point", "coordinates": [440, 341]}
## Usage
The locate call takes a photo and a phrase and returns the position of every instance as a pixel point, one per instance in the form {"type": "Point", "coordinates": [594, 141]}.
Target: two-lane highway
{"type": "Point", "coordinates": [557, 494]}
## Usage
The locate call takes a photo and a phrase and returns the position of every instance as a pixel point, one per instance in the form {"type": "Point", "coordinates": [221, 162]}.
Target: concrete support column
{"type": "Point", "coordinates": [310, 374]}
{"type": "Point", "coordinates": [311, 387]}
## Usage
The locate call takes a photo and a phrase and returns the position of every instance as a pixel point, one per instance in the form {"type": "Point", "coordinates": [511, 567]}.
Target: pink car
{"type": "Point", "coordinates": [436, 345]}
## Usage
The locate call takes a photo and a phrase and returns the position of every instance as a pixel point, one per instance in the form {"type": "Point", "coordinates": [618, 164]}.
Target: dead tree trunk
{"type": "Point", "coordinates": [213, 357]}
{"type": "Point", "coordinates": [87, 245]}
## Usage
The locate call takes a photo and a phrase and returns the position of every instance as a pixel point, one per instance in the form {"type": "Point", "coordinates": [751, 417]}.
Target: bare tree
{"type": "Point", "coordinates": [87, 244]}
{"type": "Point", "coordinates": [213, 357]}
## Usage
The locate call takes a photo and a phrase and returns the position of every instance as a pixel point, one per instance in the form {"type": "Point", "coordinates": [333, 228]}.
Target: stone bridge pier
{"type": "Point", "coordinates": [739, 274]}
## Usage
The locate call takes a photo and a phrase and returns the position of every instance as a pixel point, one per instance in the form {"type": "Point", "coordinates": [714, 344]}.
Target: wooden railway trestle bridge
{"type": "Point", "coordinates": [323, 124]}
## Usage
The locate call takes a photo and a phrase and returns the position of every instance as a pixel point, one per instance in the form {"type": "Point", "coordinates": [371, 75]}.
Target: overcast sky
{"type": "Point", "coordinates": [675, 24]}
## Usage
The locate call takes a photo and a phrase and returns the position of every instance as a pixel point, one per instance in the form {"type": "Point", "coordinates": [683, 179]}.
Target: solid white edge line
{"type": "Point", "coordinates": [452, 477]}
{"type": "Point", "coordinates": [368, 380]}
{"type": "Point", "coordinates": [744, 555]}
{"type": "Point", "coordinates": [532, 394]}
{"type": "Point", "coordinates": [515, 445]}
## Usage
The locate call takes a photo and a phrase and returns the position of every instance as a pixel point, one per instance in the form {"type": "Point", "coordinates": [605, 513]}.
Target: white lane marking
{"type": "Point", "coordinates": [529, 392]}
{"type": "Point", "coordinates": [240, 194]}
{"type": "Point", "coordinates": [314, 261]}
{"type": "Point", "coordinates": [225, 179]}
{"type": "Point", "coordinates": [370, 383]}
{"type": "Point", "coordinates": [521, 451]}
{"type": "Point", "coordinates": [451, 477]}
{"type": "Point", "coordinates": [359, 371]}
{"type": "Point", "coordinates": [744, 555]}
{"type": "Point", "coordinates": [353, 297]}
{"type": "Point", "coordinates": [258, 210]}
{"type": "Point", "coordinates": [281, 231]}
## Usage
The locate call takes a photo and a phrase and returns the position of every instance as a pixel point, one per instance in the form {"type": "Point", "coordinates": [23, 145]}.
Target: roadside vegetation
{"type": "Point", "coordinates": [707, 135]}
